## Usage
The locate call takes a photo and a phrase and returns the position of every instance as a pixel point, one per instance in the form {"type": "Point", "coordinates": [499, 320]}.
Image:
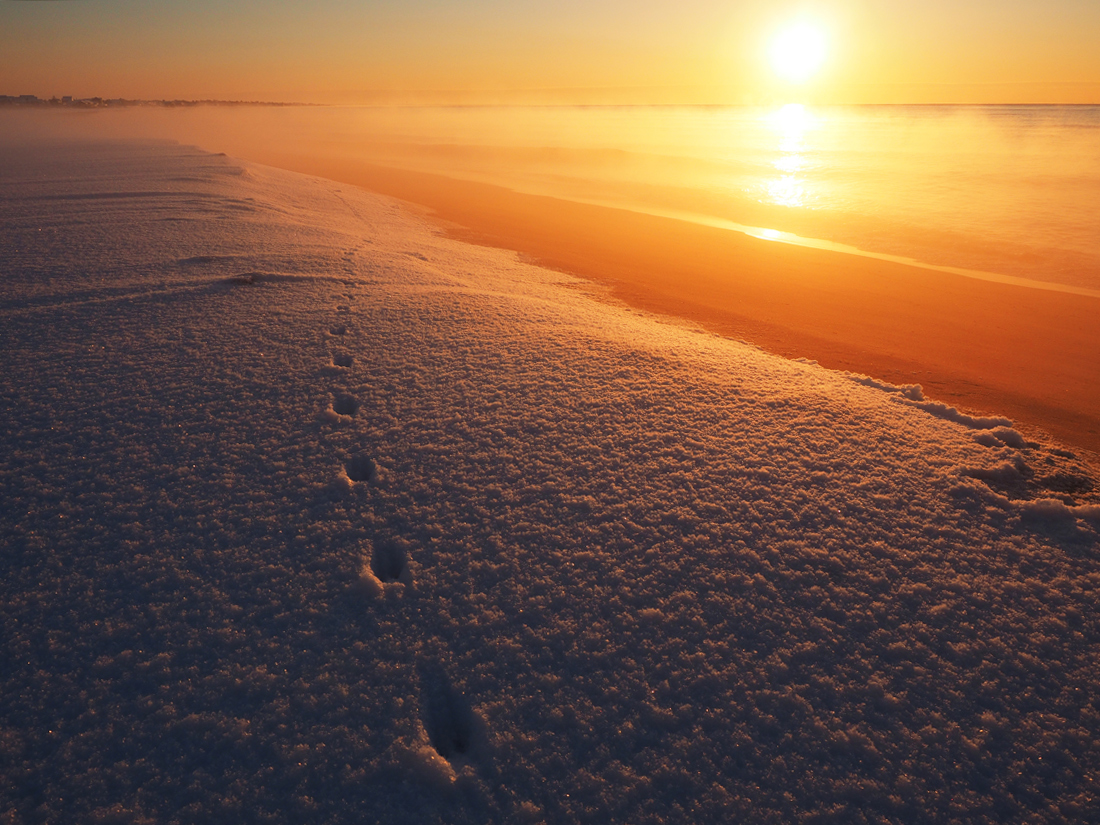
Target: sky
{"type": "Point", "coordinates": [571, 50]}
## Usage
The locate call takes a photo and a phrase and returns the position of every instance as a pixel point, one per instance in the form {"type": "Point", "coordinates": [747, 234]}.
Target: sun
{"type": "Point", "coordinates": [797, 52]}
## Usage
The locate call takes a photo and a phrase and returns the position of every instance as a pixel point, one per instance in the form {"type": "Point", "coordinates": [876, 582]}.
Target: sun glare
{"type": "Point", "coordinates": [797, 52]}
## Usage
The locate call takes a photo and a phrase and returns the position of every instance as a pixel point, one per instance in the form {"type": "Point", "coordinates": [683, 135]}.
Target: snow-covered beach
{"type": "Point", "coordinates": [312, 514]}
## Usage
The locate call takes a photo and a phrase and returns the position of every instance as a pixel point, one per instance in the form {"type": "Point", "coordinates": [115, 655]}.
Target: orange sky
{"type": "Point", "coordinates": [567, 50]}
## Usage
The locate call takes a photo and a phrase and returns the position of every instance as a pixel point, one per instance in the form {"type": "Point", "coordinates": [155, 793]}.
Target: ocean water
{"type": "Point", "coordinates": [1008, 190]}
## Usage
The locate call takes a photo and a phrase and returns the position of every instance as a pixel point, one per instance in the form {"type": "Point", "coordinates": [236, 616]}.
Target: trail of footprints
{"type": "Point", "coordinates": [455, 732]}
{"type": "Point", "coordinates": [453, 744]}
{"type": "Point", "coordinates": [360, 467]}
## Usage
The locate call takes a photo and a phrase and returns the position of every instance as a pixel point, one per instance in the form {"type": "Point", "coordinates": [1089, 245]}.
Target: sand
{"type": "Point", "coordinates": [986, 347]}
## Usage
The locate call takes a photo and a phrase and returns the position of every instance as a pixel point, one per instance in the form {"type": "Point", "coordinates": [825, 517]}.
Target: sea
{"type": "Point", "coordinates": [1002, 192]}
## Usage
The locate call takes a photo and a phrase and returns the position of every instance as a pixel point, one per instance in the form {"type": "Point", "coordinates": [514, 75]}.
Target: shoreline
{"type": "Point", "coordinates": [985, 347]}
{"type": "Point", "coordinates": [777, 236]}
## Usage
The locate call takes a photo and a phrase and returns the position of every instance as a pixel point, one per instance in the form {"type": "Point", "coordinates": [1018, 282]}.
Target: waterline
{"type": "Point", "coordinates": [779, 236]}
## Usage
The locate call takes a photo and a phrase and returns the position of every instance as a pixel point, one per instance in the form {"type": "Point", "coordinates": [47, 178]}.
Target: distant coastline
{"type": "Point", "coordinates": [68, 101]}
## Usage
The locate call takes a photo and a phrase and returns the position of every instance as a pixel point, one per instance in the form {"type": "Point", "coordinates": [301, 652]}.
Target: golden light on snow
{"type": "Point", "coordinates": [798, 52]}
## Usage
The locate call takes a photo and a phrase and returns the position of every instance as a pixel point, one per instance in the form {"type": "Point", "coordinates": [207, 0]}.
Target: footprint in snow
{"type": "Point", "coordinates": [361, 468]}
{"type": "Point", "coordinates": [388, 565]}
{"type": "Point", "coordinates": [454, 729]}
{"type": "Point", "coordinates": [389, 562]}
{"type": "Point", "coordinates": [345, 405]}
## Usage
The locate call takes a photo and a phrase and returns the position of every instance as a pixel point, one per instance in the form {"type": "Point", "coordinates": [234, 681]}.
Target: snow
{"type": "Point", "coordinates": [312, 514]}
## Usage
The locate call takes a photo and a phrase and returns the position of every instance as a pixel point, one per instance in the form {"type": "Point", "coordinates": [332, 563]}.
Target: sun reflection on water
{"type": "Point", "coordinates": [790, 163]}
{"type": "Point", "coordinates": [790, 124]}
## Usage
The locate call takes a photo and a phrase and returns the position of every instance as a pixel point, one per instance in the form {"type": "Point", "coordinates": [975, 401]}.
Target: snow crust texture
{"type": "Point", "coordinates": [311, 514]}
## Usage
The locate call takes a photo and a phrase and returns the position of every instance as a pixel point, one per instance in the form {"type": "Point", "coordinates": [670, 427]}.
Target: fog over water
{"type": "Point", "coordinates": [1012, 190]}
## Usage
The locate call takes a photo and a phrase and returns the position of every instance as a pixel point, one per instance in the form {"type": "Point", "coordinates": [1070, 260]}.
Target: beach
{"type": "Point", "coordinates": [985, 347]}
{"type": "Point", "coordinates": [314, 512]}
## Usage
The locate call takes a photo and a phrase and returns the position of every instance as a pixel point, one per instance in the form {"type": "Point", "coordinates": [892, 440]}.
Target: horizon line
{"type": "Point", "coordinates": [96, 101]}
